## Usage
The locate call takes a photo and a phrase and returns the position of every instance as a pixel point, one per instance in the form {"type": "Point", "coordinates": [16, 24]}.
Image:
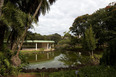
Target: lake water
{"type": "Point", "coordinates": [63, 60]}
{"type": "Point", "coordinates": [55, 63]}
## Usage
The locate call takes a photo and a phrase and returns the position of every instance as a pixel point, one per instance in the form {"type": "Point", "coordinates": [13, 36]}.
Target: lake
{"type": "Point", "coordinates": [62, 60]}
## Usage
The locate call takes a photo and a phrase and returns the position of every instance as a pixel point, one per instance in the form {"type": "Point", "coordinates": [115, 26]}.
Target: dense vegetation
{"type": "Point", "coordinates": [90, 71]}
{"type": "Point", "coordinates": [35, 36]}
{"type": "Point", "coordinates": [104, 30]}
{"type": "Point", "coordinates": [94, 33]}
{"type": "Point", "coordinates": [16, 17]}
{"type": "Point", "coordinates": [88, 35]}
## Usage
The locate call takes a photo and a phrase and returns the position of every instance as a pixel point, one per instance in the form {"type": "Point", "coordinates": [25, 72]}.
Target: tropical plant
{"type": "Point", "coordinates": [17, 17]}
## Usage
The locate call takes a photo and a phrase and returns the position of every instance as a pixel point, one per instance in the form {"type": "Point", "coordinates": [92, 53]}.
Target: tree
{"type": "Point", "coordinates": [79, 25]}
{"type": "Point", "coordinates": [2, 26]}
{"type": "Point", "coordinates": [11, 14]}
{"type": "Point", "coordinates": [103, 24]}
{"type": "Point", "coordinates": [109, 56]}
{"type": "Point", "coordinates": [55, 37]}
{"type": "Point", "coordinates": [89, 41]}
{"type": "Point", "coordinates": [42, 6]}
{"type": "Point", "coordinates": [68, 42]}
{"type": "Point", "coordinates": [32, 9]}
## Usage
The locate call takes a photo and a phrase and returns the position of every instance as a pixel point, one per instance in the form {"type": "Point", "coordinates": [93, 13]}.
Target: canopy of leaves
{"type": "Point", "coordinates": [103, 22]}
{"type": "Point", "coordinates": [89, 41]}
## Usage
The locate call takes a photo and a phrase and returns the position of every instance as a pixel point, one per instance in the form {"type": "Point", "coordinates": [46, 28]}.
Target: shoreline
{"type": "Point", "coordinates": [49, 70]}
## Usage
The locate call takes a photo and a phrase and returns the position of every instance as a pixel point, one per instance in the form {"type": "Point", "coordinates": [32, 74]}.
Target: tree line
{"type": "Point", "coordinates": [98, 31]}
{"type": "Point", "coordinates": [36, 36]}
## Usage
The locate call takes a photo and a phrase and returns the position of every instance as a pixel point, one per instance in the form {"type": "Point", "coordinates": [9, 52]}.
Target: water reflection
{"type": "Point", "coordinates": [70, 58]}
{"type": "Point", "coordinates": [65, 59]}
{"type": "Point", "coordinates": [55, 63]}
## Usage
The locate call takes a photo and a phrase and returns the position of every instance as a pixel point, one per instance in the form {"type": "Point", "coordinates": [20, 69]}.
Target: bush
{"type": "Point", "coordinates": [6, 67]}
{"type": "Point", "coordinates": [97, 71]}
{"type": "Point", "coordinates": [63, 74]}
{"type": "Point", "coordinates": [109, 56]}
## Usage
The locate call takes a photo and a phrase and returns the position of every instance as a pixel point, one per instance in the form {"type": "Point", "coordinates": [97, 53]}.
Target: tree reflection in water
{"type": "Point", "coordinates": [70, 58]}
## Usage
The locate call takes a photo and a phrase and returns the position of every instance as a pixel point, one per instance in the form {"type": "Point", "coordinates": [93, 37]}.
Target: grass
{"type": "Point", "coordinates": [27, 52]}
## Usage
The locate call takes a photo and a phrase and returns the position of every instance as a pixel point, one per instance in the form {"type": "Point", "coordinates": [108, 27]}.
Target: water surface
{"type": "Point", "coordinates": [63, 60]}
{"type": "Point", "coordinates": [54, 63]}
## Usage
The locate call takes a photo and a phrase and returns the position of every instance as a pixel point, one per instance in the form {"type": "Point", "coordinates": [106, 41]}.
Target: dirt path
{"type": "Point", "coordinates": [31, 75]}
{"type": "Point", "coordinates": [26, 75]}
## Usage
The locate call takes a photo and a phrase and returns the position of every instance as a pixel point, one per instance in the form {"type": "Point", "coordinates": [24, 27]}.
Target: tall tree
{"type": "Point", "coordinates": [41, 7]}
{"type": "Point", "coordinates": [89, 41]}
{"type": "Point", "coordinates": [102, 21]}
{"type": "Point", "coordinates": [79, 25]}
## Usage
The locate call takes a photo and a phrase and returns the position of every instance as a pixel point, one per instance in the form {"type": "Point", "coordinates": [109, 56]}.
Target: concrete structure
{"type": "Point", "coordinates": [38, 44]}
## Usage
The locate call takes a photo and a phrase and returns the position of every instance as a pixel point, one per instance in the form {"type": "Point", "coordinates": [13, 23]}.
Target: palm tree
{"type": "Point", "coordinates": [33, 8]}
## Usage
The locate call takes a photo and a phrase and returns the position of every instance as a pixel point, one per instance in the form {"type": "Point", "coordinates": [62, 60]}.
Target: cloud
{"type": "Point", "coordinates": [63, 13]}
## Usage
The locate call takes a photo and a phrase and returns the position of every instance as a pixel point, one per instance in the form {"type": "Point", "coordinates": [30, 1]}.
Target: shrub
{"type": "Point", "coordinates": [109, 56]}
{"type": "Point", "coordinates": [6, 67]}
{"type": "Point", "coordinates": [97, 71]}
{"type": "Point", "coordinates": [63, 74]}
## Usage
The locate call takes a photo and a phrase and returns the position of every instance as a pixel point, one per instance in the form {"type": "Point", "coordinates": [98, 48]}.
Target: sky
{"type": "Point", "coordinates": [63, 13]}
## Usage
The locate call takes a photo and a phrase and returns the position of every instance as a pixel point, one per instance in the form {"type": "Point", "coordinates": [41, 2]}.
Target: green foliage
{"type": "Point", "coordinates": [72, 58]}
{"type": "Point", "coordinates": [79, 25]}
{"type": "Point", "coordinates": [109, 56]}
{"type": "Point", "coordinates": [97, 71]}
{"type": "Point", "coordinates": [35, 36]}
{"type": "Point", "coordinates": [102, 21]}
{"type": "Point", "coordinates": [89, 41]}
{"type": "Point", "coordinates": [11, 14]}
{"type": "Point", "coordinates": [55, 37]}
{"type": "Point", "coordinates": [89, 71]}
{"type": "Point", "coordinates": [23, 59]}
{"type": "Point", "coordinates": [5, 65]}
{"type": "Point", "coordinates": [63, 74]}
{"type": "Point", "coordinates": [68, 42]}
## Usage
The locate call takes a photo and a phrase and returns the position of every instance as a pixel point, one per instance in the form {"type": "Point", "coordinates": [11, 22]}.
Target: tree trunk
{"type": "Point", "coordinates": [20, 45]}
{"type": "Point", "coordinates": [24, 34]}
{"type": "Point", "coordinates": [2, 32]}
{"type": "Point", "coordinates": [37, 9]}
{"type": "Point", "coordinates": [2, 27]}
{"type": "Point", "coordinates": [15, 58]}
